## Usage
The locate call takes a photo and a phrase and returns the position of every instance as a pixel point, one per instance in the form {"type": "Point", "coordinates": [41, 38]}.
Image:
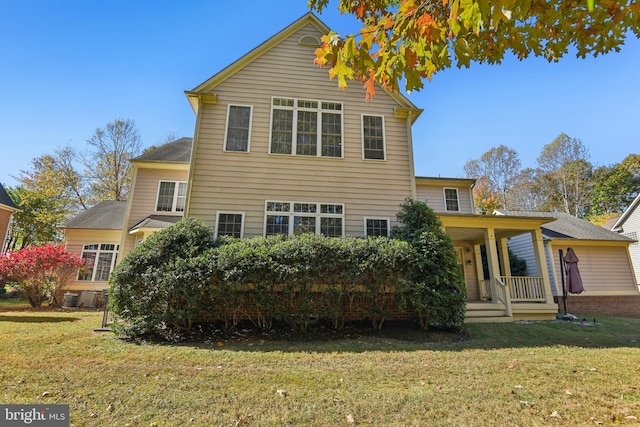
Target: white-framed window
{"type": "Point", "coordinates": [373, 147]}
{"type": "Point", "coordinates": [172, 196]}
{"type": "Point", "coordinates": [304, 217]}
{"type": "Point", "coordinates": [451, 202]}
{"type": "Point", "coordinates": [374, 227]}
{"type": "Point", "coordinates": [305, 127]}
{"type": "Point", "coordinates": [238, 130]}
{"type": "Point", "coordinates": [230, 224]}
{"type": "Point", "coordinates": [99, 261]}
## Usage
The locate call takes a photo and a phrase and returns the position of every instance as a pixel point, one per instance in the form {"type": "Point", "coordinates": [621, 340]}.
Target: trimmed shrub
{"type": "Point", "coordinates": [436, 288]}
{"type": "Point", "coordinates": [159, 283]}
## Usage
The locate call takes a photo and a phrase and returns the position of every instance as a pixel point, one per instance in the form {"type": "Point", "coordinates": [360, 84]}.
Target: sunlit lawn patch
{"type": "Point", "coordinates": [550, 373]}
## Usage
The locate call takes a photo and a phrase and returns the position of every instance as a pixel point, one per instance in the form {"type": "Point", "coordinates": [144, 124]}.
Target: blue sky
{"type": "Point", "coordinates": [69, 67]}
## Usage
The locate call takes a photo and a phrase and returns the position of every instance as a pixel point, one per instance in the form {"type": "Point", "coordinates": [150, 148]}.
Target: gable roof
{"type": "Point", "coordinates": [627, 213]}
{"type": "Point", "coordinates": [178, 151]}
{"type": "Point", "coordinates": [203, 90]}
{"type": "Point", "coordinates": [5, 200]}
{"type": "Point", "coordinates": [569, 227]}
{"type": "Point", "coordinates": [107, 215]}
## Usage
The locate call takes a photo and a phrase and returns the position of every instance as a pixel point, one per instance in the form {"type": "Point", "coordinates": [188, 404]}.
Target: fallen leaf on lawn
{"type": "Point", "coordinates": [350, 419]}
{"type": "Point", "coordinates": [568, 393]}
{"type": "Point", "coordinates": [631, 418]}
{"type": "Point", "coordinates": [282, 393]}
{"type": "Point", "coordinates": [555, 414]}
{"type": "Point", "coordinates": [518, 386]}
{"type": "Point", "coordinates": [45, 394]}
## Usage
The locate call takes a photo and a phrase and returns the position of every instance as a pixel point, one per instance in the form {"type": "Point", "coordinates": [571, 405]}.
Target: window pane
{"type": "Point", "coordinates": [89, 263]}
{"type": "Point", "coordinates": [277, 224]}
{"type": "Point", "coordinates": [165, 196]}
{"type": "Point", "coordinates": [305, 207]}
{"type": "Point", "coordinates": [304, 224]}
{"type": "Point", "coordinates": [331, 227]}
{"type": "Point", "coordinates": [282, 131]}
{"type": "Point", "coordinates": [278, 207]}
{"type": "Point", "coordinates": [103, 267]}
{"type": "Point", "coordinates": [373, 137]}
{"type": "Point", "coordinates": [451, 199]}
{"type": "Point", "coordinates": [307, 136]}
{"type": "Point", "coordinates": [331, 135]}
{"type": "Point", "coordinates": [238, 129]}
{"type": "Point", "coordinates": [331, 209]}
{"type": "Point", "coordinates": [230, 225]}
{"type": "Point", "coordinates": [182, 196]}
{"type": "Point", "coordinates": [377, 227]}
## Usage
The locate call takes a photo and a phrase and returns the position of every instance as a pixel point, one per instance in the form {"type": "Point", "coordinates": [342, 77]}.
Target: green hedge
{"type": "Point", "coordinates": [180, 275]}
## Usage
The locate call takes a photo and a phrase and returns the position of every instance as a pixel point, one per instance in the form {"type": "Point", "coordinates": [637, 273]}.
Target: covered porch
{"type": "Point", "coordinates": [494, 293]}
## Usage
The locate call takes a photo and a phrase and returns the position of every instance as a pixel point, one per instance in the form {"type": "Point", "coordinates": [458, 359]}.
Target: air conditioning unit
{"type": "Point", "coordinates": [88, 299]}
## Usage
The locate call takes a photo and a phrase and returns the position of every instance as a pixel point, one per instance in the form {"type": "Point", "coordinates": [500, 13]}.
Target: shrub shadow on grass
{"type": "Point", "coordinates": [360, 337]}
{"type": "Point", "coordinates": [36, 319]}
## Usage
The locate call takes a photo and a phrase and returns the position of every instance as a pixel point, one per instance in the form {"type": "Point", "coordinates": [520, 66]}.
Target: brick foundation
{"type": "Point", "coordinates": [590, 306]}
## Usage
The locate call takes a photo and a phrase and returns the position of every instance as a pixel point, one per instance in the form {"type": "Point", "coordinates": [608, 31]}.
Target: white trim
{"type": "Point", "coordinates": [291, 215]}
{"type": "Point", "coordinates": [229, 213]}
{"type": "Point", "coordinates": [444, 194]}
{"type": "Point", "coordinates": [294, 130]}
{"type": "Point", "coordinates": [226, 128]}
{"type": "Point", "coordinates": [384, 137]}
{"type": "Point", "coordinates": [388, 220]}
{"type": "Point", "coordinates": [175, 195]}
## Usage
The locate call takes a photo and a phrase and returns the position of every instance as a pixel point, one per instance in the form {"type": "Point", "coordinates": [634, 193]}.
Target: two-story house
{"type": "Point", "coordinates": [278, 148]}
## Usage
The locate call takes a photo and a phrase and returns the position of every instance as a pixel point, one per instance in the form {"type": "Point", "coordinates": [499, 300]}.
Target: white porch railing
{"type": "Point", "coordinates": [525, 289]}
{"type": "Point", "coordinates": [522, 289]}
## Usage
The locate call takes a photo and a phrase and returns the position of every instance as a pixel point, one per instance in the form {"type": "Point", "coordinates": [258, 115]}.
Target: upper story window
{"type": "Point", "coordinates": [376, 227]}
{"type": "Point", "coordinates": [230, 224]}
{"type": "Point", "coordinates": [238, 128]}
{"type": "Point", "coordinates": [172, 196]}
{"type": "Point", "coordinates": [373, 137]}
{"type": "Point", "coordinates": [99, 261]}
{"type": "Point", "coordinates": [451, 203]}
{"type": "Point", "coordinates": [303, 217]}
{"type": "Point", "coordinates": [305, 127]}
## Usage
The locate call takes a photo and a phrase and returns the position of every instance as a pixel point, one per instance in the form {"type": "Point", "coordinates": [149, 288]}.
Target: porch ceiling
{"type": "Point", "coordinates": [476, 235]}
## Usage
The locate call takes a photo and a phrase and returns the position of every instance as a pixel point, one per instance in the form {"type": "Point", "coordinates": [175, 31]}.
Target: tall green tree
{"type": "Point", "coordinates": [107, 163]}
{"type": "Point", "coordinates": [500, 166]}
{"type": "Point", "coordinates": [37, 219]}
{"type": "Point", "coordinates": [403, 42]}
{"type": "Point", "coordinates": [566, 174]}
{"type": "Point", "coordinates": [615, 187]}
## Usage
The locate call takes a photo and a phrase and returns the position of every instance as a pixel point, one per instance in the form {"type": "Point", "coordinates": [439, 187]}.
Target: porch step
{"type": "Point", "coordinates": [486, 313]}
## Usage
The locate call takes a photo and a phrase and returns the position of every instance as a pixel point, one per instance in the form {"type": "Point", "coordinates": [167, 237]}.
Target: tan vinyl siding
{"type": "Point", "coordinates": [241, 182]}
{"type": "Point", "coordinates": [75, 239]}
{"type": "Point", "coordinates": [145, 196]}
{"type": "Point", "coordinates": [602, 268]}
{"type": "Point", "coordinates": [5, 217]}
{"type": "Point", "coordinates": [433, 196]}
{"type": "Point", "coordinates": [631, 228]}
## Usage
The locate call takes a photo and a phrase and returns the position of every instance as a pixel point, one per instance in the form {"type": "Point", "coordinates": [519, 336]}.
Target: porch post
{"type": "Point", "coordinates": [541, 263]}
{"type": "Point", "coordinates": [492, 261]}
{"type": "Point", "coordinates": [504, 257]}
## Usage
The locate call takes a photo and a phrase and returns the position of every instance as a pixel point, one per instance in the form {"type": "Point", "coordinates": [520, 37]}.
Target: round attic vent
{"type": "Point", "coordinates": [309, 40]}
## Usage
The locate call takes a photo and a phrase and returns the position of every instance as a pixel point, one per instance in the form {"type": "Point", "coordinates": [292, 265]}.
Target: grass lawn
{"type": "Point", "coordinates": [522, 374]}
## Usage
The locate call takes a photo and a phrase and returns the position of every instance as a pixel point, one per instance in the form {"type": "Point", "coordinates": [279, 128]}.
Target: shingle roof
{"type": "Point", "coordinates": [178, 151]}
{"type": "Point", "coordinates": [157, 221]}
{"type": "Point", "coordinates": [107, 215]}
{"type": "Point", "coordinates": [5, 199]}
{"type": "Point", "coordinates": [569, 227]}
